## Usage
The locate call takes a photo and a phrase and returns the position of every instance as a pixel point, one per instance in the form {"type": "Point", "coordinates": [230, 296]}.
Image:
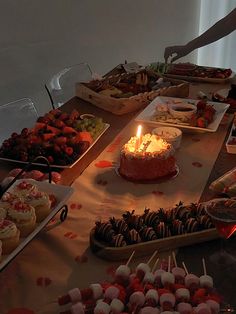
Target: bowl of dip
{"type": "Point", "coordinates": [182, 110]}
{"type": "Point", "coordinates": [169, 134]}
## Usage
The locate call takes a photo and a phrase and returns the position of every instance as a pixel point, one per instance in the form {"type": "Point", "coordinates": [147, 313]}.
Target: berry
{"type": "Point", "coordinates": [69, 151]}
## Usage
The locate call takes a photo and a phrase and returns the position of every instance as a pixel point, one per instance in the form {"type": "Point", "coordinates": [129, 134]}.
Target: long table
{"type": "Point", "coordinates": [24, 272]}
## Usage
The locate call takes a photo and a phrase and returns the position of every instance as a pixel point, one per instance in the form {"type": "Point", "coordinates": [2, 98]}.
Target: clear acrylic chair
{"type": "Point", "coordinates": [15, 116]}
{"type": "Point", "coordinates": [61, 87]}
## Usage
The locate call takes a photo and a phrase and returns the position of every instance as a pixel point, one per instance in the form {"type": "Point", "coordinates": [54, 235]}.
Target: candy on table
{"type": "Point", "coordinates": [95, 291]}
{"type": "Point", "coordinates": [202, 308]}
{"type": "Point", "coordinates": [178, 272]}
{"type": "Point", "coordinates": [167, 278]}
{"type": "Point", "coordinates": [149, 276]}
{"type": "Point", "coordinates": [167, 301]}
{"type": "Point", "coordinates": [184, 308]}
{"type": "Point", "coordinates": [191, 281]}
{"type": "Point", "coordinates": [122, 273]}
{"type": "Point", "coordinates": [143, 268]}
{"type": "Point", "coordinates": [206, 281]}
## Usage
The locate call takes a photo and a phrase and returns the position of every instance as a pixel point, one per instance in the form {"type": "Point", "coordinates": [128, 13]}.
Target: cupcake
{"type": "Point", "coordinates": [41, 203]}
{"type": "Point", "coordinates": [23, 215]}
{"type": "Point", "coordinates": [9, 236]}
{"type": "Point", "coordinates": [23, 188]}
{"type": "Point", "coordinates": [3, 213]}
{"type": "Point", "coordinates": [7, 199]}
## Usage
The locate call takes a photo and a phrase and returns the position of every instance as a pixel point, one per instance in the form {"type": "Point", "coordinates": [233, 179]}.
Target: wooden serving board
{"type": "Point", "coordinates": [146, 248]}
{"type": "Point", "coordinates": [120, 106]}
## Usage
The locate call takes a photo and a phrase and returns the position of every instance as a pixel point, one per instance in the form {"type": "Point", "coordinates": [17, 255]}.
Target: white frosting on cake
{"type": "Point", "coordinates": [7, 229]}
{"type": "Point", "coordinates": [21, 211]}
{"type": "Point", "coordinates": [37, 198]}
{"type": "Point", "coordinates": [149, 145]}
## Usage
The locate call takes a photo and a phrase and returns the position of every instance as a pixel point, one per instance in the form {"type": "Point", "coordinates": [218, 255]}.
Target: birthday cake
{"type": "Point", "coordinates": [147, 158]}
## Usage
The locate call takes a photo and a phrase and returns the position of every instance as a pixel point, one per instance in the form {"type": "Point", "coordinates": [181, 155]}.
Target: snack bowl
{"type": "Point", "coordinates": [170, 134]}
{"type": "Point", "coordinates": [182, 110]}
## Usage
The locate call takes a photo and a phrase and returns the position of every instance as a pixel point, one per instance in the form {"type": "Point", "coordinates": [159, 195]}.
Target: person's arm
{"type": "Point", "coordinates": [220, 29]}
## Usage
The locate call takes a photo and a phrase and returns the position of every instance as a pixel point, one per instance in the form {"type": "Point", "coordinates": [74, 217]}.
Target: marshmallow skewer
{"type": "Point", "coordinates": [144, 268]}
{"type": "Point", "coordinates": [123, 272]}
{"type": "Point", "coordinates": [167, 278]}
{"type": "Point", "coordinates": [206, 281]}
{"type": "Point", "coordinates": [178, 272]}
{"type": "Point", "coordinates": [191, 281]}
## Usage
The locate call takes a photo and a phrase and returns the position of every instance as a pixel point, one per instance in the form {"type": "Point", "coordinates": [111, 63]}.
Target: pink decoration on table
{"type": "Point", "coordinates": [102, 182]}
{"type": "Point", "coordinates": [70, 235]}
{"type": "Point", "coordinates": [197, 164]}
{"type": "Point", "coordinates": [157, 193]}
{"type": "Point", "coordinates": [20, 311]}
{"type": "Point", "coordinates": [104, 164]}
{"type": "Point", "coordinates": [115, 144]}
{"type": "Point", "coordinates": [81, 258]}
{"type": "Point", "coordinates": [43, 281]}
{"type": "Point", "coordinates": [74, 206]}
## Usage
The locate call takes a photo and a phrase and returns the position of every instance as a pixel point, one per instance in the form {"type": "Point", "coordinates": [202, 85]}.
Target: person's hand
{"type": "Point", "coordinates": [179, 51]}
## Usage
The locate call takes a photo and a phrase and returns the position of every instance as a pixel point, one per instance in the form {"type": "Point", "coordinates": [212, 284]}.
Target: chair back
{"type": "Point", "coordinates": [15, 116]}
{"type": "Point", "coordinates": [61, 86]}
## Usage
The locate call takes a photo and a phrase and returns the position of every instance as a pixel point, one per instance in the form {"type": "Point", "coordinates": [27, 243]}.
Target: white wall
{"type": "Point", "coordinates": [39, 37]}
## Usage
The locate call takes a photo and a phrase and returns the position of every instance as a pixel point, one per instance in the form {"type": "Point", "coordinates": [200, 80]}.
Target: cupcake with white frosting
{"type": "Point", "coordinates": [8, 199]}
{"type": "Point", "coordinates": [23, 188]}
{"type": "Point", "coordinates": [9, 236]}
{"type": "Point", "coordinates": [3, 213]}
{"type": "Point", "coordinates": [41, 203]}
{"type": "Point", "coordinates": [23, 215]}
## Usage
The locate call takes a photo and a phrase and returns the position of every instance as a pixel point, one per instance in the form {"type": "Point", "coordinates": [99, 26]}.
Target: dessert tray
{"type": "Point", "coordinates": [161, 230]}
{"type": "Point", "coordinates": [63, 138]}
{"type": "Point", "coordinates": [193, 72]}
{"type": "Point", "coordinates": [121, 92]}
{"type": "Point", "coordinates": [149, 114]}
{"type": "Point", "coordinates": [61, 193]}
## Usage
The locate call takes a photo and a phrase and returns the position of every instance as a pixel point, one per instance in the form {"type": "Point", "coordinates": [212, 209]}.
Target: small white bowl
{"type": "Point", "coordinates": [87, 116]}
{"type": "Point", "coordinates": [169, 134]}
{"type": "Point", "coordinates": [182, 110]}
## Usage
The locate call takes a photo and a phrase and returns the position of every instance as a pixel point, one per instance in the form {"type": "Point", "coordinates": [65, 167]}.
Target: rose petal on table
{"type": "Point", "coordinates": [70, 235]}
{"type": "Point", "coordinates": [104, 164]}
{"type": "Point", "coordinates": [197, 164]}
{"type": "Point", "coordinates": [74, 206]}
{"type": "Point", "coordinates": [20, 311]}
{"type": "Point", "coordinates": [115, 145]}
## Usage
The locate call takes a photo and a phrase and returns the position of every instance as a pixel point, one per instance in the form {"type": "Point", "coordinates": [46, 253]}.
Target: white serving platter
{"type": "Point", "coordinates": [106, 126]}
{"type": "Point", "coordinates": [62, 194]}
{"type": "Point", "coordinates": [146, 116]}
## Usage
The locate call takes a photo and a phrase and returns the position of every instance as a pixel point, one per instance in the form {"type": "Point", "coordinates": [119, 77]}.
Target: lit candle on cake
{"type": "Point", "coordinates": [138, 137]}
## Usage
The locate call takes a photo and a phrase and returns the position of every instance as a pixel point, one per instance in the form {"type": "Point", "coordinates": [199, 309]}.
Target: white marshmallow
{"type": "Point", "coordinates": [152, 294]}
{"type": "Point", "coordinates": [184, 308]}
{"type": "Point", "coordinates": [182, 293]}
{"type": "Point", "coordinates": [111, 293]}
{"type": "Point", "coordinates": [116, 306]}
{"type": "Point", "coordinates": [148, 278]}
{"type": "Point", "coordinates": [137, 298]}
{"type": "Point", "coordinates": [167, 278]}
{"type": "Point", "coordinates": [144, 267]}
{"type": "Point", "coordinates": [75, 295]}
{"type": "Point", "coordinates": [178, 272]}
{"type": "Point", "coordinates": [202, 308]}
{"type": "Point", "coordinates": [191, 279]}
{"type": "Point", "coordinates": [102, 308]}
{"type": "Point", "coordinates": [167, 297]}
{"type": "Point", "coordinates": [97, 290]}
{"type": "Point", "coordinates": [206, 281]}
{"type": "Point", "coordinates": [214, 306]}
{"type": "Point", "coordinates": [77, 308]}
{"type": "Point", "coordinates": [123, 271]}
{"type": "Point", "coordinates": [149, 310]}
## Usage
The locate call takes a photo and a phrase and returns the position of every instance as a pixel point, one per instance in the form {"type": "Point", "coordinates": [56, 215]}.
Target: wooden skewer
{"type": "Point", "coordinates": [130, 258]}
{"type": "Point", "coordinates": [152, 257]}
{"type": "Point", "coordinates": [204, 266]}
{"type": "Point", "coordinates": [169, 260]}
{"type": "Point", "coordinates": [155, 265]}
{"type": "Point", "coordinates": [185, 268]}
{"type": "Point", "coordinates": [174, 258]}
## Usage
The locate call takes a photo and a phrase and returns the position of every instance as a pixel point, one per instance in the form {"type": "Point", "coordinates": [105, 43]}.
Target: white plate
{"type": "Point", "coordinates": [223, 93]}
{"type": "Point", "coordinates": [61, 192]}
{"type": "Point", "coordinates": [146, 115]}
{"type": "Point", "coordinates": [106, 126]}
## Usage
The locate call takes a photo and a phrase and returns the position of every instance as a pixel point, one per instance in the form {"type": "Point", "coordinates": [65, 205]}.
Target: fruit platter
{"type": "Point", "coordinates": [153, 286]}
{"type": "Point", "coordinates": [63, 138]}
{"type": "Point", "coordinates": [187, 114]}
{"type": "Point", "coordinates": [123, 92]}
{"type": "Point", "coordinates": [193, 72]}
{"type": "Point", "coordinates": [163, 229]}
{"type": "Point", "coordinates": [36, 203]}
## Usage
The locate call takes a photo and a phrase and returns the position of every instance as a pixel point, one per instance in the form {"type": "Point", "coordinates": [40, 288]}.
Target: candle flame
{"type": "Point", "coordinates": [139, 131]}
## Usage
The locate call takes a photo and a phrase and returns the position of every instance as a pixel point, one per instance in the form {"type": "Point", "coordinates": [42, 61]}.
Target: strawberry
{"type": "Point", "coordinates": [201, 105]}
{"type": "Point", "coordinates": [69, 150]}
{"type": "Point", "coordinates": [58, 124]}
{"type": "Point", "coordinates": [64, 116]}
{"type": "Point", "coordinates": [60, 140]}
{"type": "Point", "coordinates": [202, 122]}
{"type": "Point", "coordinates": [47, 136]}
{"type": "Point", "coordinates": [74, 115]}
{"type": "Point", "coordinates": [53, 130]}
{"type": "Point", "coordinates": [208, 115]}
{"type": "Point", "coordinates": [68, 130]}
